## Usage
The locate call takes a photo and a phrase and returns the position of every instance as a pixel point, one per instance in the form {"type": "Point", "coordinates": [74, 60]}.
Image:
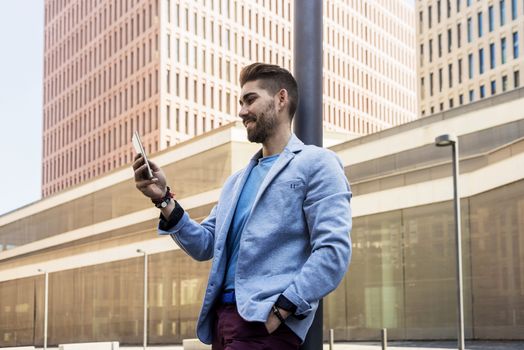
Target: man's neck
{"type": "Point", "coordinates": [276, 143]}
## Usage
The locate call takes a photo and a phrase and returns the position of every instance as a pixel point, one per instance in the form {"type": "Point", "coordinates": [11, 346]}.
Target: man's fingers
{"type": "Point", "coordinates": [144, 183]}
{"type": "Point", "coordinates": [153, 166]}
{"type": "Point", "coordinates": [141, 172]}
{"type": "Point", "coordinates": [139, 161]}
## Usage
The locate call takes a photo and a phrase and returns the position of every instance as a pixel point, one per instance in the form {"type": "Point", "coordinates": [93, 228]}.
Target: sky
{"type": "Point", "coordinates": [21, 72]}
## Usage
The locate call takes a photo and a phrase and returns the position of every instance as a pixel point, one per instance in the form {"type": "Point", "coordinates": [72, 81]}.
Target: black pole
{"type": "Point", "coordinates": [308, 70]}
{"type": "Point", "coordinates": [308, 119]}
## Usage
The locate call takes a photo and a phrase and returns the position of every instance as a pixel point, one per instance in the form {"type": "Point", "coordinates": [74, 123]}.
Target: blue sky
{"type": "Point", "coordinates": [21, 71]}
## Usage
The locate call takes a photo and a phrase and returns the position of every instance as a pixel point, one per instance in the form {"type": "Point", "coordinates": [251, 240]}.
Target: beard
{"type": "Point", "coordinates": [264, 125]}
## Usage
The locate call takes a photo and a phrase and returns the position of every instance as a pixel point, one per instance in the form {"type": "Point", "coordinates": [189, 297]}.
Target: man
{"type": "Point", "coordinates": [279, 234]}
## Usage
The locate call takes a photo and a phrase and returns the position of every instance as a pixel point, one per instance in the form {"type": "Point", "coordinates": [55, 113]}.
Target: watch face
{"type": "Point", "coordinates": [164, 204]}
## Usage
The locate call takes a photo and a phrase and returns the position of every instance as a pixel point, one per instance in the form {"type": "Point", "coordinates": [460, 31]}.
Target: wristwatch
{"type": "Point", "coordinates": [164, 201]}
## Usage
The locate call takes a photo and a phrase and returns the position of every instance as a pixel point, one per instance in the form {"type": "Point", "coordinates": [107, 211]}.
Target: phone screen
{"type": "Point", "coordinates": [139, 148]}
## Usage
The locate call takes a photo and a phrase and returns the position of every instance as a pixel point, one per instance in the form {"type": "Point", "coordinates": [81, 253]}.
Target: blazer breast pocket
{"type": "Point", "coordinates": [287, 192]}
{"type": "Point", "coordinates": [291, 184]}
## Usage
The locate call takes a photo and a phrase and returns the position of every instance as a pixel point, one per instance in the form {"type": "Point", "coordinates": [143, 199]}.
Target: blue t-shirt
{"type": "Point", "coordinates": [244, 205]}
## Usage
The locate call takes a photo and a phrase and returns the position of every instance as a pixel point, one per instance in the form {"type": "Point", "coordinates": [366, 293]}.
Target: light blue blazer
{"type": "Point", "coordinates": [295, 240]}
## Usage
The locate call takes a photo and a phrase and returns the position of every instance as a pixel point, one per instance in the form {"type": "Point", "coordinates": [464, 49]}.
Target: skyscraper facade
{"type": "Point", "coordinates": [468, 50]}
{"type": "Point", "coordinates": [169, 68]}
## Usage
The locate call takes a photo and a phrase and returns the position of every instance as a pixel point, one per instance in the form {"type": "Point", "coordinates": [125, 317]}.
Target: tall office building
{"type": "Point", "coordinates": [468, 50]}
{"type": "Point", "coordinates": [169, 68]}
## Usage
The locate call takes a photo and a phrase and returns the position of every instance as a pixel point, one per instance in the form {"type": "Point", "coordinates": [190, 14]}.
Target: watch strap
{"type": "Point", "coordinates": [162, 202]}
{"type": "Point", "coordinates": [277, 313]}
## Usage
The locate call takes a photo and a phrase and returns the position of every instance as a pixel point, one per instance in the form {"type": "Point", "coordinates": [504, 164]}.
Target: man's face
{"type": "Point", "coordinates": [257, 112]}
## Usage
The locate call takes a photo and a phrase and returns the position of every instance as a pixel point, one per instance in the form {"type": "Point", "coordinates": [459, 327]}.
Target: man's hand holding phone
{"type": "Point", "coordinates": [150, 179]}
{"type": "Point", "coordinates": [155, 187]}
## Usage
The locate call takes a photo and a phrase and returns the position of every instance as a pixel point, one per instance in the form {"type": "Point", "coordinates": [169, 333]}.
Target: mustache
{"type": "Point", "coordinates": [249, 118]}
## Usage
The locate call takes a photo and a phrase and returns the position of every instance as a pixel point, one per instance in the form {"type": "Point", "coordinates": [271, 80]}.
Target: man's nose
{"type": "Point", "coordinates": [243, 112]}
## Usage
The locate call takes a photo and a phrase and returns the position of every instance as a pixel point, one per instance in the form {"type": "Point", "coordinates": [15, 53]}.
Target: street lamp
{"type": "Point", "coordinates": [46, 298]}
{"type": "Point", "coordinates": [140, 251]}
{"type": "Point", "coordinates": [443, 141]}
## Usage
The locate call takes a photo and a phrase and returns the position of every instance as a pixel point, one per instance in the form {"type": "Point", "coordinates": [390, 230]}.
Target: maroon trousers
{"type": "Point", "coordinates": [232, 332]}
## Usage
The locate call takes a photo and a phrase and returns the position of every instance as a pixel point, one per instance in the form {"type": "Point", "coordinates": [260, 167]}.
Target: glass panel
{"type": "Point", "coordinates": [497, 245]}
{"type": "Point", "coordinates": [374, 283]}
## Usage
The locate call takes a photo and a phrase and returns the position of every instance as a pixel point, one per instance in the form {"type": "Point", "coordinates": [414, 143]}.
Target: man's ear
{"type": "Point", "coordinates": [282, 98]}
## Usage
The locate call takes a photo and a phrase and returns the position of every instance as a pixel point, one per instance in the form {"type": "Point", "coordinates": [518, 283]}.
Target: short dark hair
{"type": "Point", "coordinates": [272, 78]}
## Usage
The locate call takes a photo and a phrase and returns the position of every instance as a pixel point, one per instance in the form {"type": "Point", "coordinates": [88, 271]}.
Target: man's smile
{"type": "Point", "coordinates": [248, 121]}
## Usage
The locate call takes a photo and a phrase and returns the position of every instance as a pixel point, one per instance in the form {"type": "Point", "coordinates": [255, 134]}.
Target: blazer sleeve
{"type": "Point", "coordinates": [197, 240]}
{"type": "Point", "coordinates": [328, 214]}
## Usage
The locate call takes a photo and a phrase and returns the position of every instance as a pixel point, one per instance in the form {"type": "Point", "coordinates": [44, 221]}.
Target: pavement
{"type": "Point", "coordinates": [400, 345]}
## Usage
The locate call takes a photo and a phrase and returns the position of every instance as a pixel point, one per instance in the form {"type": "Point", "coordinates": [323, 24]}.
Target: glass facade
{"type": "Point", "coordinates": [105, 302]}
{"type": "Point", "coordinates": [402, 277]}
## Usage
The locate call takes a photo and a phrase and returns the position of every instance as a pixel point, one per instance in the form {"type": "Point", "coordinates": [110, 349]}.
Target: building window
{"type": "Point", "coordinates": [458, 5]}
{"type": "Point", "coordinates": [430, 84]}
{"type": "Point", "coordinates": [482, 91]}
{"type": "Point", "coordinates": [516, 79]}
{"type": "Point", "coordinates": [469, 30]}
{"type": "Point", "coordinates": [450, 103]}
{"type": "Point", "coordinates": [440, 45]}
{"type": "Point", "coordinates": [468, 2]}
{"type": "Point", "coordinates": [502, 6]}
{"type": "Point", "coordinates": [515, 45]}
{"type": "Point", "coordinates": [460, 70]}
{"type": "Point", "coordinates": [471, 95]}
{"type": "Point", "coordinates": [429, 16]}
{"type": "Point", "coordinates": [441, 106]}
{"type": "Point", "coordinates": [492, 55]}
{"type": "Point", "coordinates": [461, 99]}
{"type": "Point", "coordinates": [479, 19]}
{"type": "Point", "coordinates": [438, 11]}
{"type": "Point", "coordinates": [449, 40]}
{"type": "Point", "coordinates": [459, 34]}
{"type": "Point", "coordinates": [421, 55]}
{"type": "Point", "coordinates": [448, 8]}
{"type": "Point", "coordinates": [514, 9]}
{"type": "Point", "coordinates": [168, 117]}
{"type": "Point", "coordinates": [440, 79]}
{"type": "Point", "coordinates": [168, 81]}
{"type": "Point", "coordinates": [422, 87]}
{"type": "Point", "coordinates": [450, 75]}
{"type": "Point", "coordinates": [420, 21]}
{"type": "Point", "coordinates": [481, 61]}
{"type": "Point", "coordinates": [503, 50]}
{"type": "Point", "coordinates": [504, 83]}
{"type": "Point", "coordinates": [470, 66]}
{"type": "Point", "coordinates": [493, 87]}
{"type": "Point", "coordinates": [430, 50]}
{"type": "Point", "coordinates": [491, 18]}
